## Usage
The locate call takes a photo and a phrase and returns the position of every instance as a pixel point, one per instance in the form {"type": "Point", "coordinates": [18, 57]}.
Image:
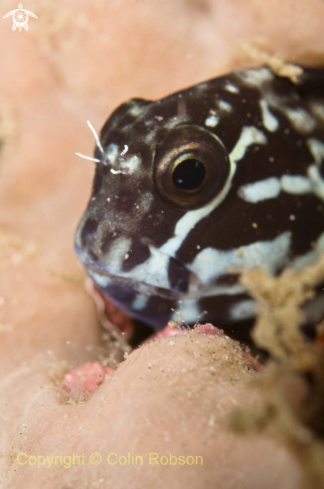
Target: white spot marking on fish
{"type": "Point", "coordinates": [116, 255]}
{"type": "Point", "coordinates": [225, 106]}
{"type": "Point", "coordinates": [292, 184]}
{"type": "Point", "coordinates": [249, 135]}
{"type": "Point", "coordinates": [300, 119]}
{"type": "Point", "coordinates": [102, 280]}
{"type": "Point", "coordinates": [211, 263]}
{"type": "Point", "coordinates": [131, 163]}
{"type": "Point", "coordinates": [316, 147]}
{"type": "Point", "coordinates": [296, 184]}
{"type": "Point", "coordinates": [231, 88]}
{"type": "Point", "coordinates": [270, 122]}
{"type": "Point", "coordinates": [243, 310]}
{"type": "Point", "coordinates": [201, 87]}
{"type": "Point", "coordinates": [154, 271]}
{"type": "Point", "coordinates": [317, 109]}
{"type": "Point", "coordinates": [317, 181]}
{"type": "Point", "coordinates": [151, 273]}
{"type": "Point", "coordinates": [136, 110]}
{"type": "Point", "coordinates": [140, 302]}
{"type": "Point", "coordinates": [212, 121]}
{"type": "Point", "coordinates": [223, 290]}
{"type": "Point", "coordinates": [311, 256]}
{"type": "Point", "coordinates": [256, 77]}
{"type": "Point", "coordinates": [145, 201]}
{"type": "Point", "coordinates": [262, 190]}
{"type": "Point", "coordinates": [149, 137]}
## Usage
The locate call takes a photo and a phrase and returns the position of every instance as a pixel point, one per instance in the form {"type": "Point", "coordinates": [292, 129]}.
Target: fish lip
{"type": "Point", "coordinates": [152, 290]}
{"type": "Point", "coordinates": [144, 288]}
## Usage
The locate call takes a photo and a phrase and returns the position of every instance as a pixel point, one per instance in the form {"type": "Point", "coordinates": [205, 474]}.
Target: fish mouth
{"type": "Point", "coordinates": [115, 280]}
{"type": "Point", "coordinates": [165, 276]}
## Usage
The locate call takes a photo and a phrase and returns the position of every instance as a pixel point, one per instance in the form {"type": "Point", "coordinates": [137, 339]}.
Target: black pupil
{"type": "Point", "coordinates": [189, 174]}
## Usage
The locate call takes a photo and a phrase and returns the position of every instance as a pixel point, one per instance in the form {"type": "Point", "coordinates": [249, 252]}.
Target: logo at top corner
{"type": "Point", "coordinates": [20, 18]}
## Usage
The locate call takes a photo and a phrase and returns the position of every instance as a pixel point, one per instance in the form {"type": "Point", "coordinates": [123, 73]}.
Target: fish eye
{"type": "Point", "coordinates": [189, 174]}
{"type": "Point", "coordinates": [191, 167]}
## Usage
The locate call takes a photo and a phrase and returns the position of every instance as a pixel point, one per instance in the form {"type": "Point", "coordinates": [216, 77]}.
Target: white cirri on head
{"type": "Point", "coordinates": [121, 161]}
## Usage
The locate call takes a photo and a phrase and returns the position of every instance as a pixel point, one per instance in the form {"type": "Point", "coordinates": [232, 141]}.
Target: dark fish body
{"type": "Point", "coordinates": [228, 173]}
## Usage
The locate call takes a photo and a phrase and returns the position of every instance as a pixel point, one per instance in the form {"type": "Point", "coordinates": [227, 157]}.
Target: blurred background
{"type": "Point", "coordinates": [78, 61]}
